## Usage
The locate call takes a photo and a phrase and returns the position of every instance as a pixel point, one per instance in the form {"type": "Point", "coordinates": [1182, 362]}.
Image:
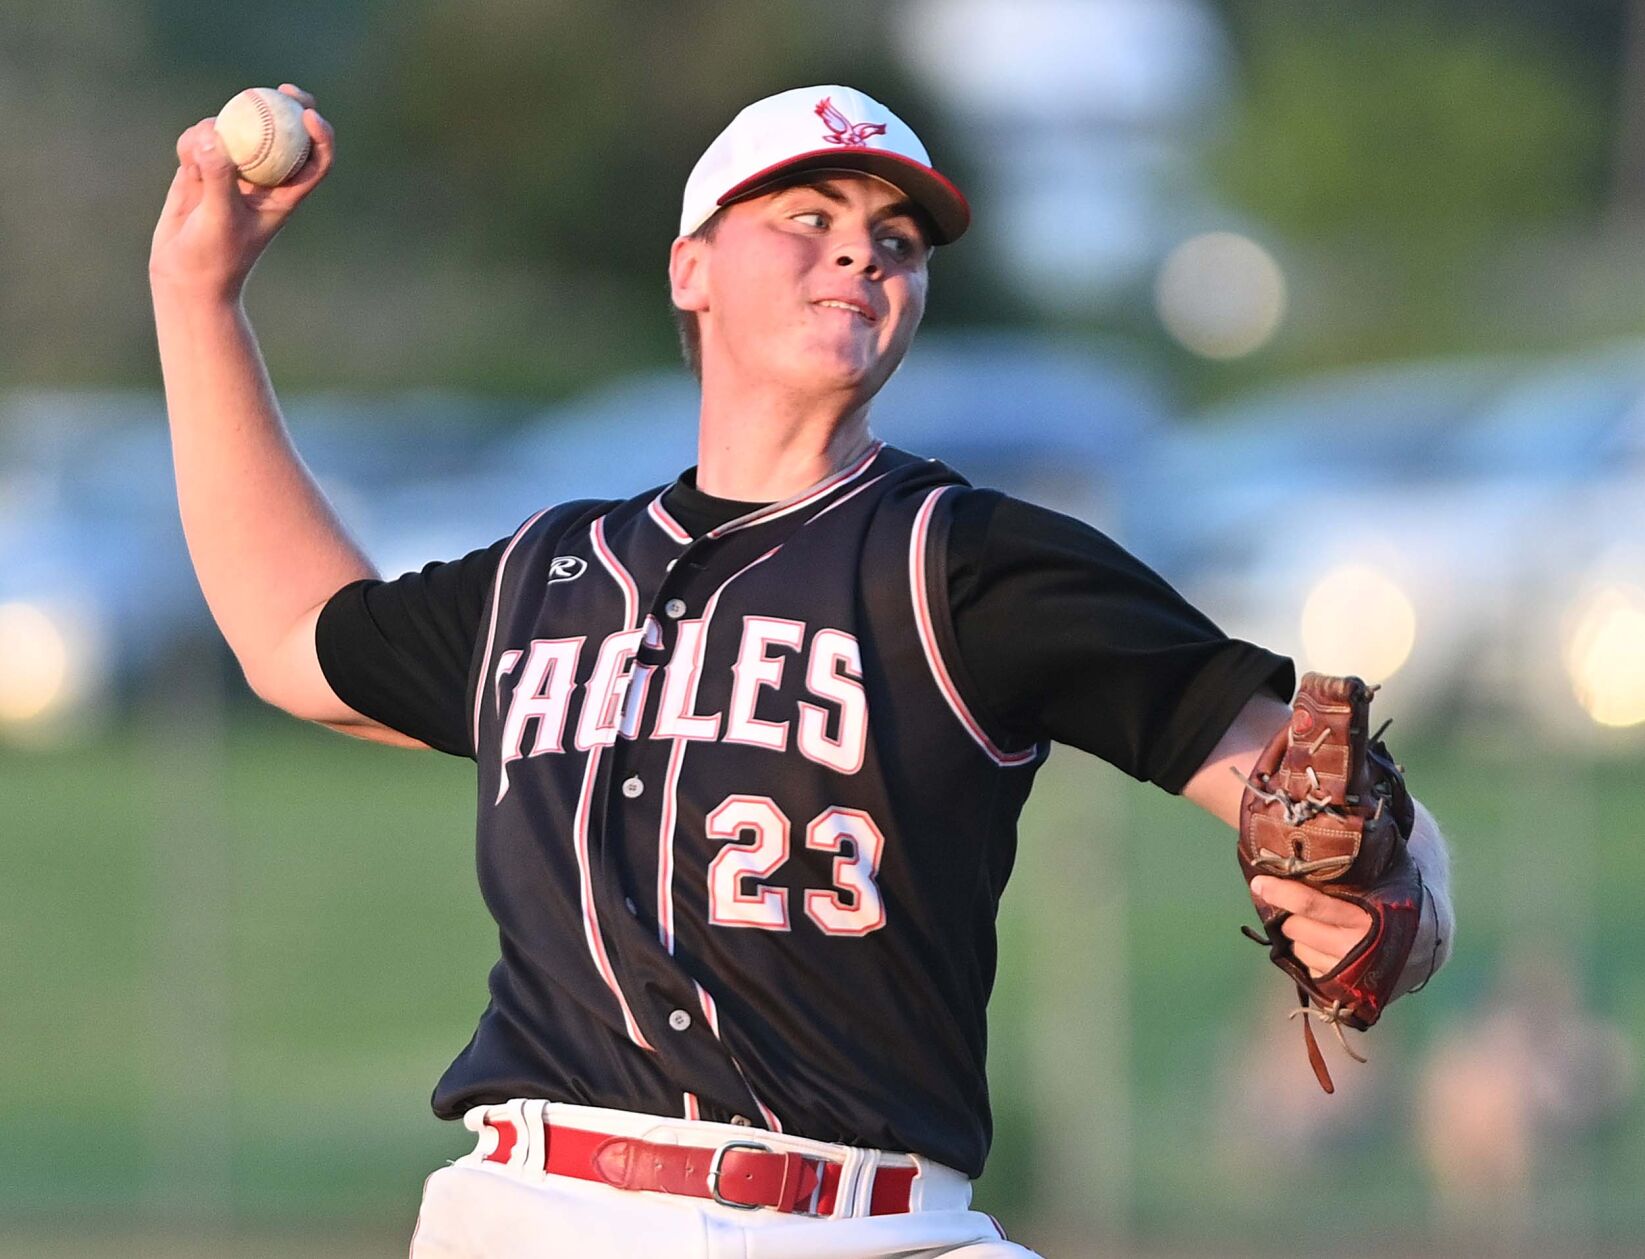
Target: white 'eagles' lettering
{"type": "Point", "coordinates": [535, 687]}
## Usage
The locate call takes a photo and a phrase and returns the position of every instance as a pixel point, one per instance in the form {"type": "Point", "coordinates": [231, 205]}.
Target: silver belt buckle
{"type": "Point", "coordinates": [714, 1173]}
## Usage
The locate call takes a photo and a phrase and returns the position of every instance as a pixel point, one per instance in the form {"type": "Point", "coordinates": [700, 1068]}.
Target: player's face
{"type": "Point", "coordinates": [819, 285]}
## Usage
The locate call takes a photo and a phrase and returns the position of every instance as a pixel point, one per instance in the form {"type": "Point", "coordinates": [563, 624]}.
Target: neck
{"type": "Point", "coordinates": [765, 445]}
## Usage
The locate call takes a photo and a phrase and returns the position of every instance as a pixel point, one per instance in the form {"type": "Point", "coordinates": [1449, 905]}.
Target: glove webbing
{"type": "Point", "coordinates": [1277, 944]}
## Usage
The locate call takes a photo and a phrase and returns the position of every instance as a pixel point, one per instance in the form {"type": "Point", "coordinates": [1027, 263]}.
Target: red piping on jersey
{"type": "Point", "coordinates": [585, 799]}
{"type": "Point", "coordinates": [710, 1011]}
{"type": "Point", "coordinates": [665, 848]}
{"type": "Point", "coordinates": [665, 855]}
{"type": "Point", "coordinates": [928, 640]}
{"type": "Point", "coordinates": [619, 574]}
{"type": "Point", "coordinates": [491, 632]}
{"type": "Point", "coordinates": [771, 1120]}
{"type": "Point", "coordinates": [804, 499]}
{"type": "Point", "coordinates": [591, 917]}
{"type": "Point", "coordinates": [665, 522]}
{"type": "Point", "coordinates": [846, 498]}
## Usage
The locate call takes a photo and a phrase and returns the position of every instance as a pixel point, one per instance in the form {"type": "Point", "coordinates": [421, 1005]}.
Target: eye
{"type": "Point", "coordinates": [822, 219]}
{"type": "Point", "coordinates": [903, 245]}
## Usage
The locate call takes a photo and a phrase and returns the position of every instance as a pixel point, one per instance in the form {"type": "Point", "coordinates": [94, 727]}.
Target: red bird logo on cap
{"type": "Point", "coordinates": [841, 129]}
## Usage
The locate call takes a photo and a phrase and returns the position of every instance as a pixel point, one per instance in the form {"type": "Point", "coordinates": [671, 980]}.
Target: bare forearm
{"type": "Point", "coordinates": [266, 546]}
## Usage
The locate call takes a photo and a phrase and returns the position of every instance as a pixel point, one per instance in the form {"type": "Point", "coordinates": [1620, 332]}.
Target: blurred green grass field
{"type": "Point", "coordinates": [239, 952]}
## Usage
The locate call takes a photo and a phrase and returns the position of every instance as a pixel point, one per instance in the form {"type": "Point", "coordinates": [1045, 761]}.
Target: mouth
{"type": "Point", "coordinates": [856, 308]}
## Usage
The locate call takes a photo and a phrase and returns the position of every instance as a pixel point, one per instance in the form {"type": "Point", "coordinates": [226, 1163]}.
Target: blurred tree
{"type": "Point", "coordinates": [507, 186]}
{"type": "Point", "coordinates": [1628, 194]}
{"type": "Point", "coordinates": [1405, 122]}
{"type": "Point", "coordinates": [1590, 28]}
{"type": "Point", "coordinates": [563, 133]}
{"type": "Point", "coordinates": [1400, 150]}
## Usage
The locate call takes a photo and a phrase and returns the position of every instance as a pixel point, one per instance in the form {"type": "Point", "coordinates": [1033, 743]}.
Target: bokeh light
{"type": "Point", "coordinates": [1358, 621]}
{"type": "Point", "coordinates": [1221, 295]}
{"type": "Point", "coordinates": [34, 662]}
{"type": "Point", "coordinates": [1605, 654]}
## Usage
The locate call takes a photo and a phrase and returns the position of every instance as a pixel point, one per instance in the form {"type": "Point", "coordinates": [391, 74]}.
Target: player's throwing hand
{"type": "Point", "coordinates": [215, 225]}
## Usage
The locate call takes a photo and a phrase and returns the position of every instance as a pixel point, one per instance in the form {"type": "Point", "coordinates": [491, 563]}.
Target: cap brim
{"type": "Point", "coordinates": [927, 188]}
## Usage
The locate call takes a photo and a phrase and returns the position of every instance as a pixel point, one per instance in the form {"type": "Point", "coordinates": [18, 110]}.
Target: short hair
{"type": "Point", "coordinates": [685, 321]}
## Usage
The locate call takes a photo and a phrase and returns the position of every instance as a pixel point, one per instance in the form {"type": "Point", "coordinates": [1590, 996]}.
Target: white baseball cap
{"type": "Point", "coordinates": [820, 128]}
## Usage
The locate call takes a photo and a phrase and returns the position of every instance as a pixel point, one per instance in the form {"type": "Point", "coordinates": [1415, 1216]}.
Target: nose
{"type": "Point", "coordinates": [849, 256]}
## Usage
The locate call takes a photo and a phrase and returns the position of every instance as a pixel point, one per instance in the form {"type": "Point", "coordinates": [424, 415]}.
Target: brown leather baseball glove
{"type": "Point", "coordinates": [1326, 803]}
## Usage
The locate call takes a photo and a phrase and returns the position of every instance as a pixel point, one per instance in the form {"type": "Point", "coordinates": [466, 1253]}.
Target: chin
{"type": "Point", "coordinates": [833, 369]}
{"type": "Point", "coordinates": [846, 366]}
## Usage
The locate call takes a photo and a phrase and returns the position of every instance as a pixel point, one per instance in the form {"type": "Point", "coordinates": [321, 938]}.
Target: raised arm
{"type": "Point", "coordinates": [1322, 928]}
{"type": "Point", "coordinates": [267, 548]}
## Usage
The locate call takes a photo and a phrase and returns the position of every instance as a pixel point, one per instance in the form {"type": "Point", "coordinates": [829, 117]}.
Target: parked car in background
{"type": "Point", "coordinates": [96, 589]}
{"type": "Point", "coordinates": [1054, 422]}
{"type": "Point", "coordinates": [1470, 532]}
{"type": "Point", "coordinates": [1435, 526]}
{"type": "Point", "coordinates": [95, 585]}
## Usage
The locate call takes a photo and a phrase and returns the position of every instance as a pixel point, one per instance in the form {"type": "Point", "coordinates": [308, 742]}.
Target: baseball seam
{"type": "Point", "coordinates": [297, 160]}
{"type": "Point", "coordinates": [265, 146]}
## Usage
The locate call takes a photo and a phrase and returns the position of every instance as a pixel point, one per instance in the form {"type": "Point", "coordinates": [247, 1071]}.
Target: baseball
{"type": "Point", "coordinates": [262, 131]}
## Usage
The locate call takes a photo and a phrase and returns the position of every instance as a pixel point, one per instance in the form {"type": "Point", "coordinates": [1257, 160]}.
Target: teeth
{"type": "Point", "coordinates": [855, 310]}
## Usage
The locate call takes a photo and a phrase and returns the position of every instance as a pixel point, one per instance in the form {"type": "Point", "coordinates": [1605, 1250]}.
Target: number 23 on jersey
{"type": "Point", "coordinates": [758, 844]}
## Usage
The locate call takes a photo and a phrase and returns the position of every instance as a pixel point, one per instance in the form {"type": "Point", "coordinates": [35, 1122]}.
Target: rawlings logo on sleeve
{"type": "Point", "coordinates": [566, 568]}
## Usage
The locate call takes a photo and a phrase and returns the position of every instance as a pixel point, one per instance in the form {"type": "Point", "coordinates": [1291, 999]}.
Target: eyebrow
{"type": "Point", "coordinates": [828, 190]}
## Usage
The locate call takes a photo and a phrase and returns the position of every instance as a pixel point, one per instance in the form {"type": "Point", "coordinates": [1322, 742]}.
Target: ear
{"type": "Point", "coordinates": [688, 262]}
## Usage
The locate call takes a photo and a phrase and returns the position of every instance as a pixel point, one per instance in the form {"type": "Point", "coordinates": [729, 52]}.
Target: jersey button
{"type": "Point", "coordinates": [633, 786]}
{"type": "Point", "coordinates": [675, 608]}
{"type": "Point", "coordinates": [679, 1020]}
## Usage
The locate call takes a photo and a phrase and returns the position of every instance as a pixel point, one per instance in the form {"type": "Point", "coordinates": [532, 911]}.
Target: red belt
{"type": "Point", "coordinates": [739, 1173]}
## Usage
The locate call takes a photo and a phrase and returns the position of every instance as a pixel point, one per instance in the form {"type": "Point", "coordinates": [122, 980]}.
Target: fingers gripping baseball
{"type": "Point", "coordinates": [305, 99]}
{"type": "Point", "coordinates": [215, 224]}
{"type": "Point", "coordinates": [1322, 929]}
{"type": "Point", "coordinates": [322, 149]}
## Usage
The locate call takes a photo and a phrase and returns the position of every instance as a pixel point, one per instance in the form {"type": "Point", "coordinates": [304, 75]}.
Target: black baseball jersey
{"type": "Point", "coordinates": [744, 818]}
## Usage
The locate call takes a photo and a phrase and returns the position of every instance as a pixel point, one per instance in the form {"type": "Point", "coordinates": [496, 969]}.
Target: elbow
{"type": "Point", "coordinates": [264, 684]}
{"type": "Point", "coordinates": [270, 679]}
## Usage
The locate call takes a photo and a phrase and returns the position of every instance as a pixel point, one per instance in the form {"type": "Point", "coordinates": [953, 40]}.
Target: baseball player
{"type": "Point", "coordinates": [750, 746]}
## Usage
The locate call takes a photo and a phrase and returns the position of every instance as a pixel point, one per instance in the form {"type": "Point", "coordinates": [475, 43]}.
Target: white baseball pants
{"type": "Point", "coordinates": [479, 1209]}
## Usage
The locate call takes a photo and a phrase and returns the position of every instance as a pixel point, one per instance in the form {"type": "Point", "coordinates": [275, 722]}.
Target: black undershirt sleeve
{"type": "Point", "coordinates": [1069, 637]}
{"type": "Point", "coordinates": [399, 651]}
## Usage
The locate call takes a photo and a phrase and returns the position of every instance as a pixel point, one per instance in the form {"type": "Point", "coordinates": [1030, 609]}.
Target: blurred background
{"type": "Point", "coordinates": [1226, 254]}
